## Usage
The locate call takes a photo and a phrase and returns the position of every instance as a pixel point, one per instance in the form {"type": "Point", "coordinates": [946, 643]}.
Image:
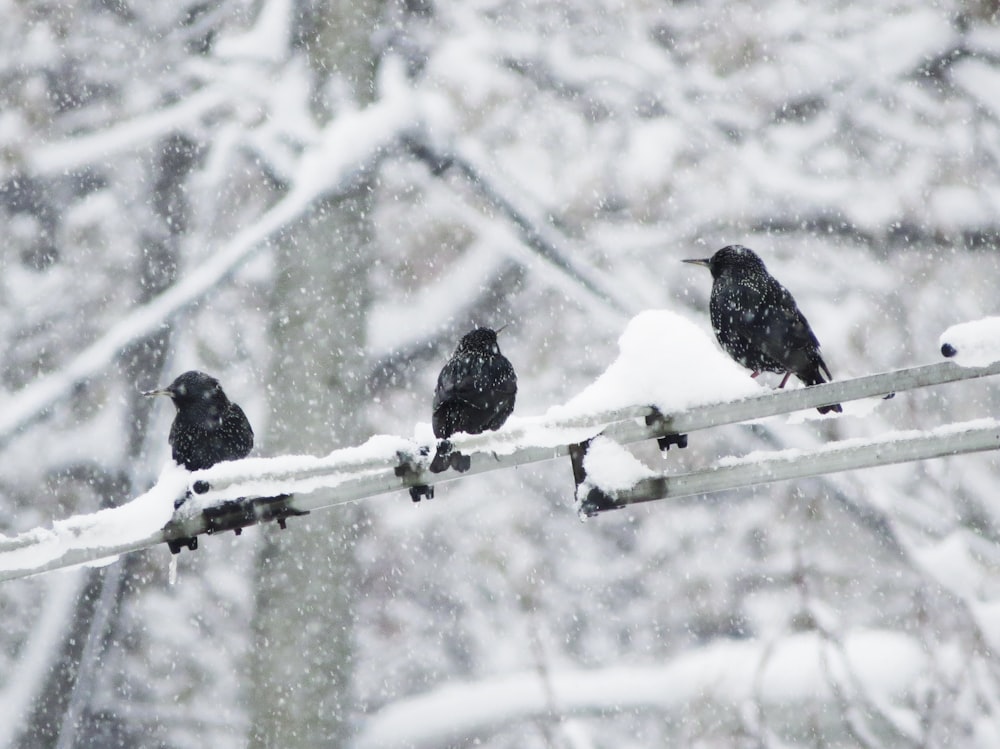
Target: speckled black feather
{"type": "Point", "coordinates": [757, 321]}
{"type": "Point", "coordinates": [208, 427]}
{"type": "Point", "coordinates": [476, 389]}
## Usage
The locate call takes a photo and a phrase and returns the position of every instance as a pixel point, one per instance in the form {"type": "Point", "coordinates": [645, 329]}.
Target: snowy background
{"type": "Point", "coordinates": [259, 190]}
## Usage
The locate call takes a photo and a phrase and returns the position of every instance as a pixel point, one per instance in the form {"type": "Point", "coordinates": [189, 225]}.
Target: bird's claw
{"type": "Point", "coordinates": [442, 457]}
{"type": "Point", "coordinates": [446, 458]}
{"type": "Point", "coordinates": [459, 462]}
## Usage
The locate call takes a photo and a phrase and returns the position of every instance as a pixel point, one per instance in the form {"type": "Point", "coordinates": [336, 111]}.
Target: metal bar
{"type": "Point", "coordinates": [73, 556]}
{"type": "Point", "coordinates": [841, 391]}
{"type": "Point", "coordinates": [956, 439]}
{"type": "Point", "coordinates": [333, 481]}
{"type": "Point", "coordinates": [494, 450]}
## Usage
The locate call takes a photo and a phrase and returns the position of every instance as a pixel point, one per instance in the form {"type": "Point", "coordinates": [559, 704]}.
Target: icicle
{"type": "Point", "coordinates": [172, 573]}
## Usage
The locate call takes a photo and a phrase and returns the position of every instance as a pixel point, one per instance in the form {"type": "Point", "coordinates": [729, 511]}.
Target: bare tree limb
{"type": "Point", "coordinates": [351, 145]}
{"type": "Point", "coordinates": [546, 242]}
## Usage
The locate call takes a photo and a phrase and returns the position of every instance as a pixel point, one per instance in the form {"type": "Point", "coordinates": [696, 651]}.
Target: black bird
{"type": "Point", "coordinates": [475, 391]}
{"type": "Point", "coordinates": [757, 321]}
{"type": "Point", "coordinates": [208, 428]}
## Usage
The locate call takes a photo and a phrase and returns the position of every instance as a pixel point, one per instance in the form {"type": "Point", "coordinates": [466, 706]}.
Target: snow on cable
{"type": "Point", "coordinates": [973, 344]}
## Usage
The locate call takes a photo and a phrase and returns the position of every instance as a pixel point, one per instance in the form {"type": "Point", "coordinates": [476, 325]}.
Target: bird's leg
{"type": "Point", "coordinates": [459, 462]}
{"type": "Point", "coordinates": [755, 374]}
{"type": "Point", "coordinates": [446, 458]}
{"type": "Point", "coordinates": [409, 466]}
{"type": "Point", "coordinates": [784, 379]}
{"type": "Point", "coordinates": [442, 457]}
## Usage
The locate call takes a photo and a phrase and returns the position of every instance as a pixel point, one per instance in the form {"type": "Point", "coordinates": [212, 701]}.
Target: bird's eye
{"type": "Point", "coordinates": [181, 390]}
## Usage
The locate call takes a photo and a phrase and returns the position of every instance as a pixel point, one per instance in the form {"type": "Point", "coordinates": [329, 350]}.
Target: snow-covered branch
{"type": "Point", "coordinates": [536, 232]}
{"type": "Point", "coordinates": [57, 158]}
{"type": "Point", "coordinates": [711, 684]}
{"type": "Point", "coordinates": [38, 654]}
{"type": "Point", "coordinates": [350, 145]}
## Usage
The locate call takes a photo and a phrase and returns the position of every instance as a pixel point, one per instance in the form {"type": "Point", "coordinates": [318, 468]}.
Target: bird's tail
{"type": "Point", "coordinates": [814, 376]}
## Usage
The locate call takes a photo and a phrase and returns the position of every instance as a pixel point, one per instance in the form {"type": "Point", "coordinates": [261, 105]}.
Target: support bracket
{"type": "Point", "coordinates": [591, 500]}
{"type": "Point", "coordinates": [666, 441]}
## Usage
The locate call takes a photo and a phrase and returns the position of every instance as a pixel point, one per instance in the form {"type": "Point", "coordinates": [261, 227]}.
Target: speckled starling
{"type": "Point", "coordinates": [208, 427]}
{"type": "Point", "coordinates": [475, 391]}
{"type": "Point", "coordinates": [757, 321]}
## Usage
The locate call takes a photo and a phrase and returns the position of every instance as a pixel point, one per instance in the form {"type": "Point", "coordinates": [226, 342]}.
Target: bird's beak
{"type": "Point", "coordinates": [166, 392]}
{"type": "Point", "coordinates": [699, 261]}
{"type": "Point", "coordinates": [502, 327]}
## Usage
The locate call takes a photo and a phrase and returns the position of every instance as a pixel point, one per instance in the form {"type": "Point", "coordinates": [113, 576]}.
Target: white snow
{"type": "Point", "coordinates": [296, 474]}
{"type": "Point", "coordinates": [665, 361]}
{"type": "Point", "coordinates": [613, 468]}
{"type": "Point", "coordinates": [393, 326]}
{"type": "Point", "coordinates": [958, 207]}
{"type": "Point", "coordinates": [266, 41]}
{"type": "Point", "coordinates": [988, 616]}
{"type": "Point", "coordinates": [949, 561]}
{"type": "Point", "coordinates": [899, 45]}
{"type": "Point", "coordinates": [980, 79]}
{"type": "Point", "coordinates": [794, 453]}
{"type": "Point", "coordinates": [781, 676]}
{"type": "Point", "coordinates": [977, 343]}
{"type": "Point", "coordinates": [114, 528]}
{"type": "Point", "coordinates": [81, 151]}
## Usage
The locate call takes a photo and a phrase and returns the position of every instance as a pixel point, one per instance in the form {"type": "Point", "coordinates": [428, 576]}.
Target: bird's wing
{"type": "Point", "coordinates": [789, 338]}
{"type": "Point", "coordinates": [504, 378]}
{"type": "Point", "coordinates": [738, 316]}
{"type": "Point", "coordinates": [459, 377]}
{"type": "Point", "coordinates": [238, 432]}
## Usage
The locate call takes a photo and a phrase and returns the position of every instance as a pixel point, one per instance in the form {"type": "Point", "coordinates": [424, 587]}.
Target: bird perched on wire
{"type": "Point", "coordinates": [208, 428]}
{"type": "Point", "coordinates": [758, 323]}
{"type": "Point", "coordinates": [475, 392]}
